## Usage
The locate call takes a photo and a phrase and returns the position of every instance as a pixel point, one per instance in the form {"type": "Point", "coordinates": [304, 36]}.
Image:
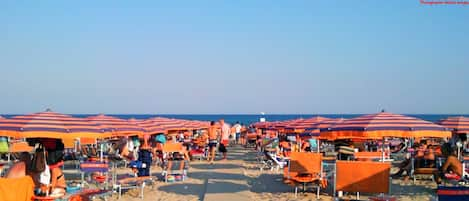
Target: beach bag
{"type": "Point", "coordinates": [44, 177]}
{"type": "Point", "coordinates": [4, 145]}
{"type": "Point", "coordinates": [38, 163]}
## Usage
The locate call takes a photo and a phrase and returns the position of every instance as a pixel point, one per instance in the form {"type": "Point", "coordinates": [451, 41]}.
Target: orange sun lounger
{"type": "Point", "coordinates": [304, 168]}
{"type": "Point", "coordinates": [21, 189]}
{"type": "Point", "coordinates": [363, 176]}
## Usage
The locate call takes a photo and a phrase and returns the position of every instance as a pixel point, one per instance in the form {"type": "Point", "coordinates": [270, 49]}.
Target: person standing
{"type": "Point", "coordinates": [212, 141]}
{"type": "Point", "coordinates": [225, 137]}
{"type": "Point", "coordinates": [237, 129]}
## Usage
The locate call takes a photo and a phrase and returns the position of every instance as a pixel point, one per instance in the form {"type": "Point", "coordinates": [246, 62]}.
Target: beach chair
{"type": "Point", "coordinates": [98, 173]}
{"type": "Point", "coordinates": [133, 183]}
{"type": "Point", "coordinates": [18, 189]}
{"type": "Point", "coordinates": [419, 172]}
{"type": "Point", "coordinates": [251, 140]}
{"type": "Point", "coordinates": [305, 168]}
{"type": "Point", "coordinates": [141, 174]}
{"type": "Point", "coordinates": [175, 167]}
{"type": "Point", "coordinates": [271, 162]}
{"type": "Point", "coordinates": [169, 148]}
{"type": "Point", "coordinates": [362, 177]}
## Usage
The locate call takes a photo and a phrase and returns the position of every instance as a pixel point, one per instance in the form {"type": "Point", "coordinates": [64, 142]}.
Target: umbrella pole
{"type": "Point", "coordinates": [101, 147]}
{"type": "Point", "coordinates": [318, 145]}
{"type": "Point", "coordinates": [382, 150]}
{"type": "Point", "coordinates": [8, 154]}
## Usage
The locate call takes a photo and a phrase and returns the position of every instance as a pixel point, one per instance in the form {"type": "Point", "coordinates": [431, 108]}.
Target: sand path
{"type": "Point", "coordinates": [226, 179]}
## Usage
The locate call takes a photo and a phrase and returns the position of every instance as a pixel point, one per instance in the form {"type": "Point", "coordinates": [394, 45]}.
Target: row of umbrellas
{"type": "Point", "coordinates": [372, 126]}
{"type": "Point", "coordinates": [50, 124]}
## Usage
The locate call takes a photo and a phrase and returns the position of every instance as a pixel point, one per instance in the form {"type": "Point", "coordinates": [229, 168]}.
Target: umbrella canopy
{"type": "Point", "coordinates": [151, 126]}
{"type": "Point", "coordinates": [458, 124]}
{"type": "Point", "coordinates": [315, 129]}
{"type": "Point", "coordinates": [119, 127]}
{"type": "Point", "coordinates": [299, 126]}
{"type": "Point", "coordinates": [377, 126]}
{"type": "Point", "coordinates": [49, 124]}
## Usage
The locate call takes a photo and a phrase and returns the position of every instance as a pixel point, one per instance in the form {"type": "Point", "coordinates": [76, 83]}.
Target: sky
{"type": "Point", "coordinates": [233, 57]}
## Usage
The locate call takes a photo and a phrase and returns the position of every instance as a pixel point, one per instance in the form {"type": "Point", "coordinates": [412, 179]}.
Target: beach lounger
{"type": "Point", "coordinates": [21, 189]}
{"type": "Point", "coordinates": [305, 168]}
{"type": "Point", "coordinates": [362, 177]}
{"type": "Point", "coordinates": [133, 182]}
{"type": "Point", "coordinates": [141, 175]}
{"type": "Point", "coordinates": [272, 162]}
{"type": "Point", "coordinates": [98, 172]}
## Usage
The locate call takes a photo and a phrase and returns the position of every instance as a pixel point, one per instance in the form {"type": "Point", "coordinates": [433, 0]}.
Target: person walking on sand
{"type": "Point", "coordinates": [237, 128]}
{"type": "Point", "coordinates": [212, 141]}
{"type": "Point", "coordinates": [225, 137]}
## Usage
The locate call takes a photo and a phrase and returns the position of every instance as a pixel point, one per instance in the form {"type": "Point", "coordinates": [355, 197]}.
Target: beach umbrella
{"type": "Point", "coordinates": [151, 126]}
{"type": "Point", "coordinates": [315, 129]}
{"type": "Point", "coordinates": [118, 127]}
{"type": "Point", "coordinates": [459, 125]}
{"type": "Point", "coordinates": [299, 126]}
{"type": "Point", "coordinates": [384, 124]}
{"type": "Point", "coordinates": [49, 124]}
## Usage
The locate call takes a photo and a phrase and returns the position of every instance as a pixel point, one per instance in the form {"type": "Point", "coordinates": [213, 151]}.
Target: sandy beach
{"type": "Point", "coordinates": [239, 178]}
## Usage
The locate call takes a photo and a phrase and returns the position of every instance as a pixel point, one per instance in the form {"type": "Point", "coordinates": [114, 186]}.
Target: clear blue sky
{"type": "Point", "coordinates": [243, 56]}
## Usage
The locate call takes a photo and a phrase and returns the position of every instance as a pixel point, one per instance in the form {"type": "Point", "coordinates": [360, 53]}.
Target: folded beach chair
{"type": "Point", "coordinates": [305, 168]}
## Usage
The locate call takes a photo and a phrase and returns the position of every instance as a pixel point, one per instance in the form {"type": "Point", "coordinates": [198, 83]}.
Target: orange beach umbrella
{"type": "Point", "coordinates": [119, 127]}
{"type": "Point", "coordinates": [49, 124]}
{"type": "Point", "coordinates": [383, 124]}
{"type": "Point", "coordinates": [458, 124]}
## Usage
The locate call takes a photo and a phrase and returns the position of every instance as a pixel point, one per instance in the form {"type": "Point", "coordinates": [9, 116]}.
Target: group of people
{"type": "Point", "coordinates": [425, 156]}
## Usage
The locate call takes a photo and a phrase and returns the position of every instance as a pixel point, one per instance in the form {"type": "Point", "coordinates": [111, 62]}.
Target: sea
{"type": "Point", "coordinates": [247, 119]}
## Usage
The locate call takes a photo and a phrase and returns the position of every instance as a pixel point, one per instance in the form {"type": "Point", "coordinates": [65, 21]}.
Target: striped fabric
{"type": "Point", "coordinates": [458, 124]}
{"type": "Point", "coordinates": [300, 125]}
{"type": "Point", "coordinates": [119, 127]}
{"type": "Point", "coordinates": [165, 125]}
{"type": "Point", "coordinates": [155, 125]}
{"type": "Point", "coordinates": [51, 125]}
{"type": "Point", "coordinates": [315, 129]}
{"type": "Point", "coordinates": [385, 125]}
